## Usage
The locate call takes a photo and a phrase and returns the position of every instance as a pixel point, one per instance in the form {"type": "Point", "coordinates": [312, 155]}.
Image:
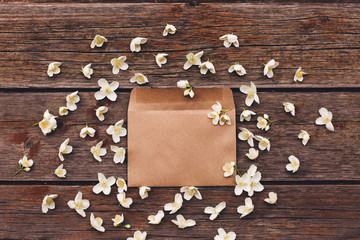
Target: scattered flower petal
{"type": "Point", "coordinates": [97, 223]}
{"type": "Point", "coordinates": [264, 122]}
{"type": "Point", "coordinates": [253, 153]}
{"type": "Point", "coordinates": [174, 206]}
{"type": "Point", "coordinates": [79, 204]}
{"type": "Point", "coordinates": [272, 198]}
{"type": "Point", "coordinates": [63, 111]}
{"type": "Point", "coordinates": [135, 45]}
{"type": "Point", "coordinates": [169, 29]}
{"type": "Point", "coordinates": [139, 78]}
{"type": "Point", "coordinates": [241, 183]}
{"type": "Point", "coordinates": [238, 68]}
{"type": "Point", "coordinates": [228, 169]}
{"type": "Point", "coordinates": [246, 135]}
{"type": "Point", "coordinates": [98, 41]}
{"type": "Point", "coordinates": [87, 71]}
{"type": "Point", "coordinates": [207, 66]}
{"type": "Point", "coordinates": [60, 171]}
{"type": "Point", "coordinates": [144, 192]}
{"type": "Point", "coordinates": [87, 131]}
{"type": "Point", "coordinates": [246, 209]}
{"type": "Point", "coordinates": [156, 219]}
{"type": "Point", "coordinates": [305, 136]}
{"type": "Point", "coordinates": [294, 164]}
{"type": "Point", "coordinates": [118, 220]}
{"type": "Point", "coordinates": [138, 235]}
{"type": "Point", "coordinates": [48, 202]}
{"type": "Point", "coordinates": [161, 59]}
{"type": "Point", "coordinates": [189, 192]}
{"type": "Point", "coordinates": [97, 151]}
{"type": "Point", "coordinates": [48, 124]}
{"type": "Point", "coordinates": [122, 187]}
{"type": "Point", "coordinates": [264, 143]}
{"type": "Point", "coordinates": [117, 131]}
{"type": "Point", "coordinates": [299, 75]}
{"type": "Point", "coordinates": [254, 183]}
{"type": "Point", "coordinates": [224, 119]}
{"type": "Point", "coordinates": [106, 90]}
{"type": "Point", "coordinates": [289, 107]}
{"type": "Point", "coordinates": [53, 68]}
{"type": "Point", "coordinates": [246, 115]}
{"type": "Point", "coordinates": [215, 211]}
{"type": "Point", "coordinates": [181, 222]}
{"type": "Point", "coordinates": [104, 184]}
{"type": "Point", "coordinates": [193, 59]}
{"type": "Point", "coordinates": [64, 149]}
{"type": "Point", "coordinates": [119, 155]}
{"type": "Point", "coordinates": [230, 39]}
{"type": "Point", "coordinates": [100, 112]}
{"type": "Point", "coordinates": [71, 101]}
{"type": "Point", "coordinates": [222, 235]}
{"type": "Point", "coordinates": [251, 93]}
{"type": "Point", "coordinates": [119, 63]}
{"type": "Point", "coordinates": [325, 119]}
{"type": "Point", "coordinates": [123, 200]}
{"type": "Point", "coordinates": [268, 68]}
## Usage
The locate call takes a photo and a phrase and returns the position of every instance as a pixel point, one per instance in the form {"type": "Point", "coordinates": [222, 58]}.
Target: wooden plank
{"type": "Point", "coordinates": [325, 152]}
{"type": "Point", "coordinates": [303, 211]}
{"type": "Point", "coordinates": [323, 40]}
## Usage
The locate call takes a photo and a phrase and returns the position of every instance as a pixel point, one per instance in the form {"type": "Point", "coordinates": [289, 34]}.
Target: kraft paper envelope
{"type": "Point", "coordinates": [172, 142]}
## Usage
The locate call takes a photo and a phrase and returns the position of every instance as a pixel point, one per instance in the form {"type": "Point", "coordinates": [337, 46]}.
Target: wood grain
{"type": "Point", "coordinates": [322, 39]}
{"type": "Point", "coordinates": [325, 151]}
{"type": "Point", "coordinates": [303, 211]}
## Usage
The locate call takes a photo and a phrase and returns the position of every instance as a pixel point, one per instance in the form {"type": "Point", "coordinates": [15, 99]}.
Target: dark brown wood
{"type": "Point", "coordinates": [325, 151]}
{"type": "Point", "coordinates": [322, 38]}
{"type": "Point", "coordinates": [303, 211]}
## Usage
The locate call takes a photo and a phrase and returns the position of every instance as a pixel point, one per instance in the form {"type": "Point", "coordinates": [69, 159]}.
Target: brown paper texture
{"type": "Point", "coordinates": [172, 142]}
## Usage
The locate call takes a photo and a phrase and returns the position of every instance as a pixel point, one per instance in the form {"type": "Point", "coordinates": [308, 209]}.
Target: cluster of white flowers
{"type": "Point", "coordinates": [218, 115]}
{"type": "Point", "coordinates": [188, 89]}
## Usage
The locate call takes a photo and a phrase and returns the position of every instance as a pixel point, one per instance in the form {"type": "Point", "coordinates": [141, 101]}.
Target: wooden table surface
{"type": "Point", "coordinates": [320, 201]}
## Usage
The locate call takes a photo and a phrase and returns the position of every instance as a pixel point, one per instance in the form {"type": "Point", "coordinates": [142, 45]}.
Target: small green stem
{"type": "Point", "coordinates": [237, 170]}
{"type": "Point", "coordinates": [18, 171]}
{"type": "Point", "coordinates": [36, 124]}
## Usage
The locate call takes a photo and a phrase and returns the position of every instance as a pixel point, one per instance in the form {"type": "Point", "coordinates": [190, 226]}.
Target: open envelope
{"type": "Point", "coordinates": [172, 142]}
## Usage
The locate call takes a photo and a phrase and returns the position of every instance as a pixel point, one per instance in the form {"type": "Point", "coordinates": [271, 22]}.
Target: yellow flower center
{"type": "Point", "coordinates": [104, 184]}
{"type": "Point", "coordinates": [193, 60]}
{"type": "Point", "coordinates": [119, 154]}
{"type": "Point", "coordinates": [228, 169]}
{"type": "Point", "coordinates": [269, 69]}
{"type": "Point", "coordinates": [101, 112]}
{"type": "Point", "coordinates": [107, 91]}
{"type": "Point", "coordinates": [118, 130]}
{"type": "Point", "coordinates": [26, 162]}
{"type": "Point", "coordinates": [99, 40]}
{"type": "Point", "coordinates": [140, 78]}
{"type": "Point", "coordinates": [124, 200]}
{"type": "Point", "coordinates": [98, 221]}
{"type": "Point", "coordinates": [294, 163]}
{"type": "Point", "coordinates": [97, 151]}
{"type": "Point", "coordinates": [226, 237]}
{"type": "Point", "coordinates": [44, 124]}
{"type": "Point", "coordinates": [246, 135]}
{"type": "Point", "coordinates": [263, 122]}
{"type": "Point", "coordinates": [175, 205]}
{"type": "Point", "coordinates": [161, 59]}
{"type": "Point", "coordinates": [121, 184]}
{"type": "Point", "coordinates": [78, 204]}
{"type": "Point", "coordinates": [60, 171]}
{"type": "Point", "coordinates": [55, 68]}
{"type": "Point", "coordinates": [48, 201]}
{"type": "Point", "coordinates": [299, 74]}
{"type": "Point", "coordinates": [118, 219]}
{"type": "Point", "coordinates": [118, 63]}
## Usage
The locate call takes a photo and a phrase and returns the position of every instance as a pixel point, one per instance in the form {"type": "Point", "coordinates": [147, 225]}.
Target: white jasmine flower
{"type": "Point", "coordinates": [63, 111]}
{"type": "Point", "coordinates": [122, 187]}
{"type": "Point", "coordinates": [156, 219]}
{"type": "Point", "coordinates": [79, 204]}
{"type": "Point", "coordinates": [119, 63]}
{"type": "Point", "coordinates": [48, 124]}
{"type": "Point", "coordinates": [289, 107]}
{"type": "Point", "coordinates": [252, 170]}
{"type": "Point", "coordinates": [205, 66]}
{"type": "Point", "coordinates": [262, 123]}
{"type": "Point", "coordinates": [181, 222]}
{"type": "Point", "coordinates": [215, 211]}
{"type": "Point", "coordinates": [246, 114]}
{"type": "Point", "coordinates": [325, 119]}
{"type": "Point", "coordinates": [87, 131]}
{"type": "Point", "coordinates": [174, 206]}
{"type": "Point", "coordinates": [64, 149]}
{"type": "Point", "coordinates": [264, 143]}
{"type": "Point", "coordinates": [246, 209]}
{"type": "Point", "coordinates": [139, 78]}
{"type": "Point", "coordinates": [214, 116]}
{"type": "Point", "coordinates": [222, 235]}
{"type": "Point", "coordinates": [293, 165]}
{"type": "Point", "coordinates": [299, 75]}
{"type": "Point", "coordinates": [217, 107]}
{"type": "Point", "coordinates": [138, 235]}
{"type": "Point", "coordinates": [71, 101]}
{"type": "Point", "coordinates": [193, 59]}
{"type": "Point", "coordinates": [106, 90]}
{"type": "Point", "coordinates": [60, 171]}
{"type": "Point", "coordinates": [246, 135]}
{"type": "Point", "coordinates": [224, 119]}
{"type": "Point", "coordinates": [104, 184]}
{"type": "Point", "coordinates": [228, 169]}
{"type": "Point", "coordinates": [100, 112]}
{"type": "Point", "coordinates": [183, 84]}
{"type": "Point", "coordinates": [238, 68]}
{"type": "Point", "coordinates": [118, 220]}
{"type": "Point", "coordinates": [254, 184]}
{"type": "Point", "coordinates": [169, 29]}
{"type": "Point", "coordinates": [189, 192]}
{"type": "Point", "coordinates": [117, 131]}
{"type": "Point", "coordinates": [305, 136]}
{"type": "Point", "coordinates": [87, 71]}
{"type": "Point", "coordinates": [253, 153]}
{"type": "Point", "coordinates": [272, 198]}
{"type": "Point", "coordinates": [97, 151]}
{"type": "Point", "coordinates": [230, 39]}
{"type": "Point", "coordinates": [251, 93]}
{"type": "Point", "coordinates": [98, 41]}
{"type": "Point", "coordinates": [97, 223]}
{"type": "Point", "coordinates": [144, 192]}
{"type": "Point", "coordinates": [241, 183]}
{"type": "Point", "coordinates": [268, 68]}
{"type": "Point", "coordinates": [53, 68]}
{"type": "Point", "coordinates": [135, 45]}
{"type": "Point", "coordinates": [48, 203]}
{"type": "Point", "coordinates": [161, 59]}
{"type": "Point", "coordinates": [123, 200]}
{"type": "Point", "coordinates": [119, 155]}
{"type": "Point", "coordinates": [26, 163]}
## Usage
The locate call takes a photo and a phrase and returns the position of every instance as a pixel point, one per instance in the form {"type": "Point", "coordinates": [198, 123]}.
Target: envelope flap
{"type": "Point", "coordinates": [144, 99]}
